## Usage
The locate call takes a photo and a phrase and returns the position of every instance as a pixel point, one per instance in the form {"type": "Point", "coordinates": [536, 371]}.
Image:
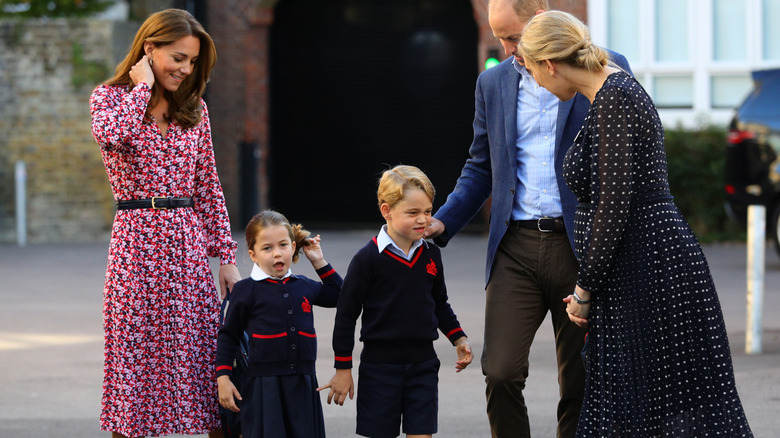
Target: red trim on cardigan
{"type": "Point", "coordinates": [343, 358]}
{"type": "Point", "coordinates": [278, 335]}
{"type": "Point", "coordinates": [328, 274]}
{"type": "Point", "coordinates": [308, 335]}
{"type": "Point", "coordinates": [224, 367]}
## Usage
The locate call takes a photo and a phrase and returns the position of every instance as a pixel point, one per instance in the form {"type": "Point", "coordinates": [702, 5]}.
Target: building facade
{"type": "Point", "coordinates": [694, 57]}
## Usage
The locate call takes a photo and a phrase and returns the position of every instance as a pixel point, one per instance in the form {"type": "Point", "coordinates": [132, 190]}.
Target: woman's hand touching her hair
{"type": "Point", "coordinates": [142, 72]}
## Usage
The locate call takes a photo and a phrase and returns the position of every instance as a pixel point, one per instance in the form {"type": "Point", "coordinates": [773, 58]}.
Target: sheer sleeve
{"type": "Point", "coordinates": [612, 179]}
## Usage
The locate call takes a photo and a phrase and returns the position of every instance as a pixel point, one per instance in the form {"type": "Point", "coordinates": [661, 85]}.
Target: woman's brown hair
{"type": "Point", "coordinates": [270, 218]}
{"type": "Point", "coordinates": [163, 28]}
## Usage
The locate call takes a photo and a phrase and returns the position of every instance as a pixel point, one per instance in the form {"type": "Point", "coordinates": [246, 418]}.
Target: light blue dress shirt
{"type": "Point", "coordinates": [537, 192]}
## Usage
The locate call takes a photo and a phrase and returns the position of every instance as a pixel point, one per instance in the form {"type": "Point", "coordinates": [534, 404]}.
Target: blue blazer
{"type": "Point", "coordinates": [492, 166]}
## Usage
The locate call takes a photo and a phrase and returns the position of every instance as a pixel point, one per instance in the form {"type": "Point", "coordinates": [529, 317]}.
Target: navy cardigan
{"type": "Point", "coordinates": [278, 317]}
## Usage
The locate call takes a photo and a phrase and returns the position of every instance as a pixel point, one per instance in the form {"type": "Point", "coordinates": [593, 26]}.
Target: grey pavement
{"type": "Point", "coordinates": [51, 340]}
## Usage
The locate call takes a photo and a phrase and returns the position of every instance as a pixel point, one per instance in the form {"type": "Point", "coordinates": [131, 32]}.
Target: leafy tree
{"type": "Point", "coordinates": [52, 8]}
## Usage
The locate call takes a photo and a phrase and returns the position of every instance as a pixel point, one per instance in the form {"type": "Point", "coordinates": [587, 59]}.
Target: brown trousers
{"type": "Point", "coordinates": [532, 273]}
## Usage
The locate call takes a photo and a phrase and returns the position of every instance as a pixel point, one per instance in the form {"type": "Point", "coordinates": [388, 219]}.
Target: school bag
{"type": "Point", "coordinates": [231, 421]}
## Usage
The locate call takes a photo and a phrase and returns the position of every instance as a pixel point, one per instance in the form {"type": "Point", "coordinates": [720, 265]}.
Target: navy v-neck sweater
{"type": "Point", "coordinates": [402, 302]}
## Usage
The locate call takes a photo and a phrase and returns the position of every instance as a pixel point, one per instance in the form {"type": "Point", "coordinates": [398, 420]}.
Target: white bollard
{"type": "Point", "coordinates": [21, 202]}
{"type": "Point", "coordinates": [756, 239]}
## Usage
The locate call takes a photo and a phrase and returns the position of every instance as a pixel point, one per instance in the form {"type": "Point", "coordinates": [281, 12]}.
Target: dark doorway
{"type": "Point", "coordinates": [361, 85]}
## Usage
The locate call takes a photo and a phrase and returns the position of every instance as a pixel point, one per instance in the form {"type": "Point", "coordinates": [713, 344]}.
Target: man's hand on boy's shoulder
{"type": "Point", "coordinates": [434, 229]}
{"type": "Point", "coordinates": [465, 355]}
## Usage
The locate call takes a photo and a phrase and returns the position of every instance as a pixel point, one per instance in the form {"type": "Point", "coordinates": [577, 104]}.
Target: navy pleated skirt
{"type": "Point", "coordinates": [281, 406]}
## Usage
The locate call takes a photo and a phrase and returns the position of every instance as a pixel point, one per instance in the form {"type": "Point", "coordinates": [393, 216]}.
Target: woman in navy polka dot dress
{"type": "Point", "coordinates": [657, 360]}
{"type": "Point", "coordinates": [160, 306]}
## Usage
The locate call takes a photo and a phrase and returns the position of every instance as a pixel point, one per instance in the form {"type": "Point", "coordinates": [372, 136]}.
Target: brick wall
{"type": "Point", "coordinates": [238, 92]}
{"type": "Point", "coordinates": [48, 69]}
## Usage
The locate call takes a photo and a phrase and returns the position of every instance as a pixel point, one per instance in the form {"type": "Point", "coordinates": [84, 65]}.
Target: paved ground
{"type": "Point", "coordinates": [51, 340]}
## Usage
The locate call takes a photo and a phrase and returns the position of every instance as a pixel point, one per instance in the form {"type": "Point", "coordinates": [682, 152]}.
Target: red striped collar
{"type": "Point", "coordinates": [399, 258]}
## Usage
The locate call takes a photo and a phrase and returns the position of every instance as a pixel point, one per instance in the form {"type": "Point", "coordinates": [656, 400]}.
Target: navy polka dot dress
{"type": "Point", "coordinates": [658, 360]}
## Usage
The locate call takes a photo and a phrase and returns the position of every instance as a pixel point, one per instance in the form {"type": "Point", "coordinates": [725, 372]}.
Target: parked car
{"type": "Point", "coordinates": [752, 171]}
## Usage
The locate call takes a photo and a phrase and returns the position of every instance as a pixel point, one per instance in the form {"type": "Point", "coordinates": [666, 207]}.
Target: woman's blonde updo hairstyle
{"type": "Point", "coordinates": [560, 37]}
{"type": "Point", "coordinates": [270, 218]}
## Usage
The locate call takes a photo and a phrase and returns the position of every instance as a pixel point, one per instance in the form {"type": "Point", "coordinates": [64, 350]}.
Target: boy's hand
{"type": "Point", "coordinates": [340, 385]}
{"type": "Point", "coordinates": [313, 251]}
{"type": "Point", "coordinates": [228, 393]}
{"type": "Point", "coordinates": [464, 354]}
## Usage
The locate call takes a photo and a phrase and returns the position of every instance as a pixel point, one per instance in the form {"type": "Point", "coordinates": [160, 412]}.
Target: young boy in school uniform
{"type": "Point", "coordinates": [397, 282]}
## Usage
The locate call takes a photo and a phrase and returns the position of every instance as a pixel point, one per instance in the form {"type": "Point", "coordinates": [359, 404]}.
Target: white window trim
{"type": "Point", "coordinates": [701, 65]}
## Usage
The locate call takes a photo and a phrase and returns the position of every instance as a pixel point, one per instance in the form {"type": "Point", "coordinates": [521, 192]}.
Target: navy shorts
{"type": "Point", "coordinates": [389, 392]}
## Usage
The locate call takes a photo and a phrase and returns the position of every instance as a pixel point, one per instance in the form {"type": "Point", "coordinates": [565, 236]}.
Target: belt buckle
{"type": "Point", "coordinates": [552, 224]}
{"type": "Point", "coordinates": [155, 207]}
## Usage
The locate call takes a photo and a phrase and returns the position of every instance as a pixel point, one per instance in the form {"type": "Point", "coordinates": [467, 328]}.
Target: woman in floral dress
{"type": "Point", "coordinates": [160, 302]}
{"type": "Point", "coordinates": [658, 362]}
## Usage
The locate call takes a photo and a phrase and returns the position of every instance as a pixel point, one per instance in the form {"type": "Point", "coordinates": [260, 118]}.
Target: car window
{"type": "Point", "coordinates": [761, 107]}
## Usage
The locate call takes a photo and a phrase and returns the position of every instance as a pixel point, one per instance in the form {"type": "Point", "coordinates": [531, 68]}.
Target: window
{"type": "Point", "coordinates": [729, 30]}
{"type": "Point", "coordinates": [671, 31]}
{"type": "Point", "coordinates": [623, 22]}
{"type": "Point", "coordinates": [673, 91]}
{"type": "Point", "coordinates": [729, 90]}
{"type": "Point", "coordinates": [694, 56]}
{"type": "Point", "coordinates": [771, 14]}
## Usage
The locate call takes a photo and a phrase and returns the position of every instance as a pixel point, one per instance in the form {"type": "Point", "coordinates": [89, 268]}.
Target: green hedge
{"type": "Point", "coordinates": [696, 168]}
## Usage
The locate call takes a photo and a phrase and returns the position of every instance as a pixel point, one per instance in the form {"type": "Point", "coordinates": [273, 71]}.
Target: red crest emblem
{"type": "Point", "coordinates": [305, 305]}
{"type": "Point", "coordinates": [431, 268]}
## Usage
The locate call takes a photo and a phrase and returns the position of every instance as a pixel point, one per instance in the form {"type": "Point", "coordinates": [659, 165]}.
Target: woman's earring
{"type": "Point", "coordinates": [150, 62]}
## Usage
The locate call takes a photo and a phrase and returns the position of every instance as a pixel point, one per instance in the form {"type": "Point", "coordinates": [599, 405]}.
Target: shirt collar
{"type": "Point", "coordinates": [525, 75]}
{"type": "Point", "coordinates": [383, 240]}
{"type": "Point", "coordinates": [260, 275]}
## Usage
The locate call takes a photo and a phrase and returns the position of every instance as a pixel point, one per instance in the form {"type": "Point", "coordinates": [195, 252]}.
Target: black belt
{"type": "Point", "coordinates": [545, 224]}
{"type": "Point", "coordinates": [156, 203]}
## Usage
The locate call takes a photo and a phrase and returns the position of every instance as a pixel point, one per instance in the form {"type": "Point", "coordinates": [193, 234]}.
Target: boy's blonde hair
{"type": "Point", "coordinates": [396, 182]}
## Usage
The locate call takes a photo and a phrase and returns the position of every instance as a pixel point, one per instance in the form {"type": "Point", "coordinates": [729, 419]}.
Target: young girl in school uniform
{"type": "Point", "coordinates": [279, 395]}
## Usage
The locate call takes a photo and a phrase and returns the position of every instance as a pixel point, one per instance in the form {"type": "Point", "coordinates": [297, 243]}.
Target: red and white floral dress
{"type": "Point", "coordinates": [160, 309]}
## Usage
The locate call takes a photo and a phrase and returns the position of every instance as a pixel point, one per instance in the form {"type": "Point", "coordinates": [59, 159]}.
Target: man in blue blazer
{"type": "Point", "coordinates": [521, 134]}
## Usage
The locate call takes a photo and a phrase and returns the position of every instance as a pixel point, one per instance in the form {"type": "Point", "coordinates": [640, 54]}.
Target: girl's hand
{"type": "Point", "coordinates": [228, 393]}
{"type": "Point", "coordinates": [142, 72]}
{"type": "Point", "coordinates": [464, 354]}
{"type": "Point", "coordinates": [313, 251]}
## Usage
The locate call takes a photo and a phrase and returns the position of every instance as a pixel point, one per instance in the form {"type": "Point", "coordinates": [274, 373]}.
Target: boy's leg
{"type": "Point", "coordinates": [421, 398]}
{"type": "Point", "coordinates": [379, 393]}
